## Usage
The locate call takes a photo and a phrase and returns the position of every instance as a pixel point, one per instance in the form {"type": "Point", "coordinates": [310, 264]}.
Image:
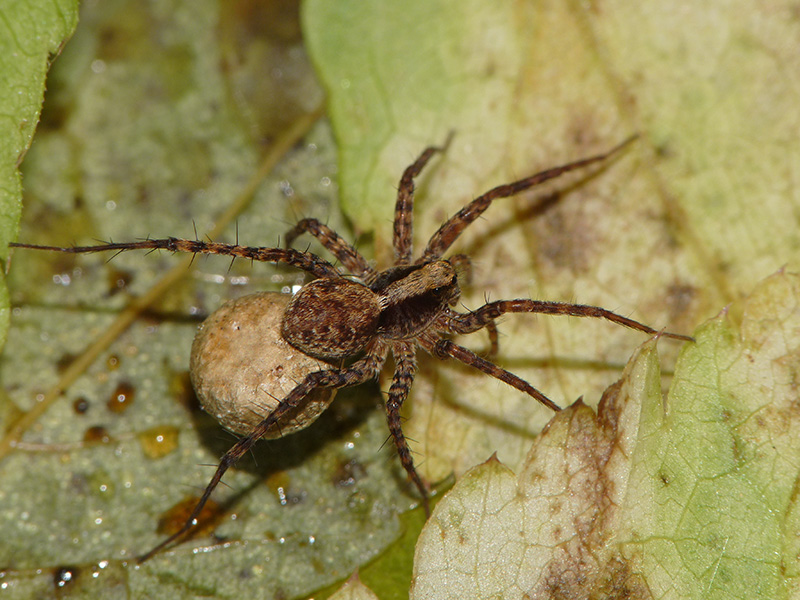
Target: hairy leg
{"type": "Point", "coordinates": [404, 207]}
{"type": "Point", "coordinates": [362, 370]}
{"type": "Point", "coordinates": [479, 318]}
{"type": "Point", "coordinates": [442, 348]}
{"type": "Point", "coordinates": [333, 242]}
{"type": "Point", "coordinates": [452, 228]}
{"type": "Point", "coordinates": [404, 371]}
{"type": "Point", "coordinates": [301, 260]}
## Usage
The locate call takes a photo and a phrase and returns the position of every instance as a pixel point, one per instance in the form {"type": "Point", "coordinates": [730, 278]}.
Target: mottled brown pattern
{"type": "Point", "coordinates": [368, 313]}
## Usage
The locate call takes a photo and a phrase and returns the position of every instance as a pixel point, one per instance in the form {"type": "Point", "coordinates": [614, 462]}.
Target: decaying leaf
{"type": "Point", "coordinates": [688, 496]}
{"type": "Point", "coordinates": [353, 589]}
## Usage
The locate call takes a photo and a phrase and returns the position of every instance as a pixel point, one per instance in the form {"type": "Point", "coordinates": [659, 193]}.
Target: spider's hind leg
{"type": "Point", "coordinates": [444, 348]}
{"type": "Point", "coordinates": [362, 370]}
{"type": "Point", "coordinates": [404, 371]}
{"type": "Point", "coordinates": [479, 318]}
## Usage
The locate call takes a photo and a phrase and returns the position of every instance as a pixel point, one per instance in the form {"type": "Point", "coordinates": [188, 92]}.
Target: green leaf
{"type": "Point", "coordinates": [692, 496]}
{"type": "Point", "coordinates": [32, 33]}
{"type": "Point", "coordinates": [400, 77]}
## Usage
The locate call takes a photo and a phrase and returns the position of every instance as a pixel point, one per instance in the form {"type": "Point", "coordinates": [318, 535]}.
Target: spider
{"type": "Point", "coordinates": [352, 318]}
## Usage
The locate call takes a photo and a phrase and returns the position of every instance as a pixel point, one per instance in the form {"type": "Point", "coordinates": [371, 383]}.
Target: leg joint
{"type": "Point", "coordinates": [441, 349]}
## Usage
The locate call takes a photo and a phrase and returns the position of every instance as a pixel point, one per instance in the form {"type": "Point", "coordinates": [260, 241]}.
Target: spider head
{"type": "Point", "coordinates": [412, 296]}
{"type": "Point", "coordinates": [442, 279]}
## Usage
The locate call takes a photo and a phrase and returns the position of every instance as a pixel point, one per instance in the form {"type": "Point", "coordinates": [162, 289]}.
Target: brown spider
{"type": "Point", "coordinates": [364, 314]}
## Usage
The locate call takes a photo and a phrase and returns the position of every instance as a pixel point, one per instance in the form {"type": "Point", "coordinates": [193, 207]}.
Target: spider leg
{"type": "Point", "coordinates": [443, 348]}
{"type": "Point", "coordinates": [333, 242]}
{"type": "Point", "coordinates": [362, 370]}
{"type": "Point", "coordinates": [477, 319]}
{"type": "Point", "coordinates": [404, 208]}
{"type": "Point", "coordinates": [301, 260]}
{"type": "Point", "coordinates": [452, 228]}
{"type": "Point", "coordinates": [404, 371]}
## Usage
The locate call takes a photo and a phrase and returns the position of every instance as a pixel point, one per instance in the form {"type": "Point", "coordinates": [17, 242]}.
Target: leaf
{"type": "Point", "coordinates": [532, 85]}
{"type": "Point", "coordinates": [353, 589]}
{"type": "Point", "coordinates": [680, 226]}
{"type": "Point", "coordinates": [32, 32]}
{"type": "Point", "coordinates": [688, 497]}
{"type": "Point", "coordinates": [163, 115]}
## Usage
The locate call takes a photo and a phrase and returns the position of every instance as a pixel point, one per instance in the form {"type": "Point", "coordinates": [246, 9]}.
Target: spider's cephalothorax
{"type": "Point", "coordinates": [356, 316]}
{"type": "Point", "coordinates": [337, 318]}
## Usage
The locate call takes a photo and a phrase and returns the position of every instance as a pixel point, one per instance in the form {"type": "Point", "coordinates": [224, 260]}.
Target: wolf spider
{"type": "Point", "coordinates": [355, 318]}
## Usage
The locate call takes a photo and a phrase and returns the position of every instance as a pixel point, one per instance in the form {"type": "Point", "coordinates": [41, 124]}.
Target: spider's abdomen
{"type": "Point", "coordinates": [331, 318]}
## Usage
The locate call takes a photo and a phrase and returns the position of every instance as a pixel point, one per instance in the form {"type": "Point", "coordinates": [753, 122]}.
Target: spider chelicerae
{"type": "Point", "coordinates": [352, 318]}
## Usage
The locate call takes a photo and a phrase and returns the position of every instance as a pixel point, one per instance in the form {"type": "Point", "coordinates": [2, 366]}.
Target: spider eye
{"type": "Point", "coordinates": [448, 288]}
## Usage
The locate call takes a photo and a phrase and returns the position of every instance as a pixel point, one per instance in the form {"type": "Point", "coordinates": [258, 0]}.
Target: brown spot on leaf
{"type": "Point", "coordinates": [97, 434]}
{"type": "Point", "coordinates": [112, 362]}
{"type": "Point", "coordinates": [118, 280]}
{"type": "Point", "coordinates": [584, 577]}
{"type": "Point", "coordinates": [64, 361]}
{"type": "Point", "coordinates": [173, 519]}
{"type": "Point", "coordinates": [122, 397]}
{"type": "Point", "coordinates": [80, 405]}
{"type": "Point", "coordinates": [159, 441]}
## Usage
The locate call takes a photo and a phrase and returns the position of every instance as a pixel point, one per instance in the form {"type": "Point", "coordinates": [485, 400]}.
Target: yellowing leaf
{"type": "Point", "coordinates": [679, 226]}
{"type": "Point", "coordinates": [692, 496]}
{"type": "Point", "coordinates": [353, 589]}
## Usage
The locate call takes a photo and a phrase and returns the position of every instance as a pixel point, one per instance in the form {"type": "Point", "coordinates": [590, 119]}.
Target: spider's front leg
{"type": "Point", "coordinates": [301, 260]}
{"type": "Point", "coordinates": [362, 370]}
{"type": "Point", "coordinates": [404, 207]}
{"type": "Point", "coordinates": [333, 242]}
{"type": "Point", "coordinates": [404, 371]}
{"type": "Point", "coordinates": [455, 225]}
